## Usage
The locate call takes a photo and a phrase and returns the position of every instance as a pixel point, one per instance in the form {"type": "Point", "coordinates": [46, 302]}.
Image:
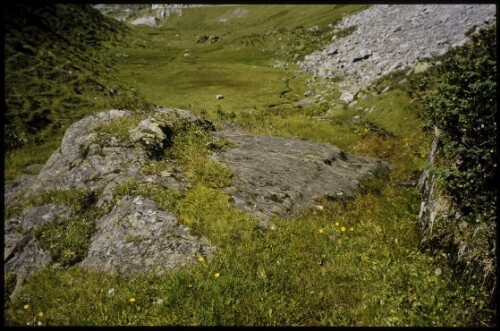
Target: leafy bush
{"type": "Point", "coordinates": [459, 95]}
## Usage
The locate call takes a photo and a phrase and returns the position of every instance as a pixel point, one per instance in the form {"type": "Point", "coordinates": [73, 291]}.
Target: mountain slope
{"type": "Point", "coordinates": [56, 71]}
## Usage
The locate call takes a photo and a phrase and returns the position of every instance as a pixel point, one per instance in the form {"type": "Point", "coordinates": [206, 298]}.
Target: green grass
{"type": "Point", "coordinates": [57, 71]}
{"type": "Point", "coordinates": [238, 69]}
{"type": "Point", "coordinates": [291, 273]}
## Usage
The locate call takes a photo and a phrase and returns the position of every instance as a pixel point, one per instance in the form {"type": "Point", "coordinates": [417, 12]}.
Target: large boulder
{"type": "Point", "coordinates": [91, 159]}
{"type": "Point", "coordinates": [277, 175]}
{"type": "Point", "coordinates": [136, 238]}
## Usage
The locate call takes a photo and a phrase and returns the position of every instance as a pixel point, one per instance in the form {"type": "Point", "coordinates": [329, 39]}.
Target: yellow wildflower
{"type": "Point", "coordinates": [26, 306]}
{"type": "Point", "coordinates": [201, 259]}
{"type": "Point", "coordinates": [342, 228]}
{"type": "Point", "coordinates": [351, 229]}
{"type": "Point", "coordinates": [40, 314]}
{"type": "Point", "coordinates": [131, 300]}
{"type": "Point", "coordinates": [190, 285]}
{"type": "Point", "coordinates": [337, 223]}
{"type": "Point", "coordinates": [216, 275]}
{"type": "Point", "coordinates": [321, 230]}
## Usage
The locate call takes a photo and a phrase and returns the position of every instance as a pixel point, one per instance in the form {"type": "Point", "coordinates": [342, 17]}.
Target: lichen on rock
{"type": "Point", "coordinates": [136, 238]}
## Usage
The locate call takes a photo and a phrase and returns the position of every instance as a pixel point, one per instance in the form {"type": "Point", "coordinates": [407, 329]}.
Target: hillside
{"type": "Point", "coordinates": [56, 71]}
{"type": "Point", "coordinates": [214, 168]}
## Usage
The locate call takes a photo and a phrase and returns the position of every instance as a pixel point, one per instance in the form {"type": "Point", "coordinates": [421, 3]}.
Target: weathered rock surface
{"type": "Point", "coordinates": [272, 175]}
{"type": "Point", "coordinates": [96, 160]}
{"type": "Point", "coordinates": [14, 188]}
{"type": "Point", "coordinates": [93, 160]}
{"type": "Point", "coordinates": [390, 37]}
{"type": "Point", "coordinates": [16, 234]}
{"type": "Point", "coordinates": [136, 237]}
{"type": "Point", "coordinates": [275, 175]}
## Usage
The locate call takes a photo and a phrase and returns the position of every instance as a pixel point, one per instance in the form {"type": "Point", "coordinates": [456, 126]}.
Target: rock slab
{"type": "Point", "coordinates": [277, 175]}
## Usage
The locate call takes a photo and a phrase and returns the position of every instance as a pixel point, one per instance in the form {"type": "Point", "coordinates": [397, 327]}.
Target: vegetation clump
{"type": "Point", "coordinates": [460, 99]}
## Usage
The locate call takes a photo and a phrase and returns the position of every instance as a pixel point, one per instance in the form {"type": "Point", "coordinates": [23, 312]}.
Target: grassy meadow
{"type": "Point", "coordinates": [347, 263]}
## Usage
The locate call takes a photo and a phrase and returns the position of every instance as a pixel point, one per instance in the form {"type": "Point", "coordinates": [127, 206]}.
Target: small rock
{"type": "Point", "coordinates": [309, 93]}
{"type": "Point", "coordinates": [347, 97]}
{"type": "Point", "coordinates": [421, 67]}
{"type": "Point", "coordinates": [219, 97]}
{"type": "Point", "coordinates": [304, 103]}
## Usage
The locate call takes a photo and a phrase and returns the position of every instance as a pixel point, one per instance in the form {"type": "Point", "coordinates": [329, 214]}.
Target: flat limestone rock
{"type": "Point", "coordinates": [276, 175]}
{"type": "Point", "coordinates": [136, 237]}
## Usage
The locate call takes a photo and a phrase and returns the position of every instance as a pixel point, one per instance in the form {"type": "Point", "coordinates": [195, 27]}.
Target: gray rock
{"type": "Point", "coordinates": [153, 135]}
{"type": "Point", "coordinates": [347, 97]}
{"type": "Point", "coordinates": [15, 188]}
{"type": "Point", "coordinates": [93, 160]}
{"type": "Point", "coordinates": [137, 238]}
{"type": "Point", "coordinates": [363, 55]}
{"type": "Point", "coordinates": [304, 103]}
{"type": "Point", "coordinates": [421, 67]}
{"type": "Point", "coordinates": [40, 215]}
{"type": "Point", "coordinates": [88, 159]}
{"type": "Point", "coordinates": [13, 237]}
{"type": "Point", "coordinates": [387, 34]}
{"type": "Point", "coordinates": [275, 175]}
{"type": "Point", "coordinates": [27, 258]}
{"type": "Point", "coordinates": [145, 20]}
{"type": "Point", "coordinates": [309, 93]}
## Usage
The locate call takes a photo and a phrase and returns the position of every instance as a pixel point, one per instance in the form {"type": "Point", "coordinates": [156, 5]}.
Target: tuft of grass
{"type": "Point", "coordinates": [191, 148]}
{"type": "Point", "coordinates": [67, 243]}
{"type": "Point", "coordinates": [120, 127]}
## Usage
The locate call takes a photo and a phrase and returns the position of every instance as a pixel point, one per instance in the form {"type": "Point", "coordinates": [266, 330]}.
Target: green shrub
{"type": "Point", "coordinates": [459, 95]}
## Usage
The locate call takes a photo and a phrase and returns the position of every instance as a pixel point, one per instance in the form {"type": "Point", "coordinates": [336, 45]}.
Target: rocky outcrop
{"type": "Point", "coordinates": [276, 175]}
{"type": "Point", "coordinates": [271, 176]}
{"type": "Point", "coordinates": [146, 14]}
{"type": "Point", "coordinates": [88, 159]}
{"type": "Point", "coordinates": [136, 237]}
{"type": "Point", "coordinates": [394, 37]}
